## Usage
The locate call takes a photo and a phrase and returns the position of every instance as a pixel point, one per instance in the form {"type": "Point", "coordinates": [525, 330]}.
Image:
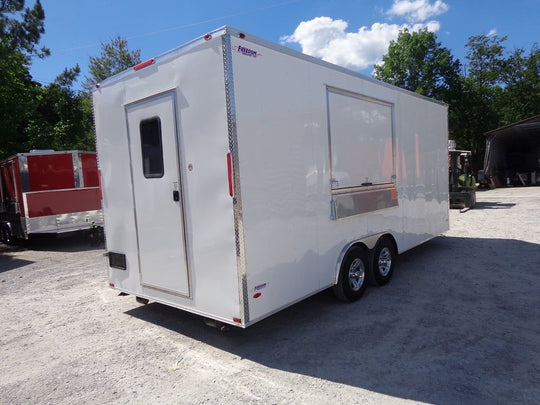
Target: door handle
{"type": "Point", "coordinates": [176, 195]}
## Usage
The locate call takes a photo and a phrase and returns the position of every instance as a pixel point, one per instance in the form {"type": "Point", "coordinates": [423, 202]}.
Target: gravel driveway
{"type": "Point", "coordinates": [458, 324]}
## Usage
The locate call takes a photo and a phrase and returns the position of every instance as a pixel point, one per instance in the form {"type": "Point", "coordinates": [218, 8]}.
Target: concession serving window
{"type": "Point", "coordinates": [361, 143]}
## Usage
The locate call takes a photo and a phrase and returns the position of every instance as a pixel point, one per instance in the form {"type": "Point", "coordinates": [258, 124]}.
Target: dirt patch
{"type": "Point", "coordinates": [457, 324]}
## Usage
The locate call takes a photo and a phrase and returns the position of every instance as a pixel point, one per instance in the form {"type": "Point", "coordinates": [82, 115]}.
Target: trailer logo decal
{"type": "Point", "coordinates": [260, 287]}
{"type": "Point", "coordinates": [246, 51]}
{"type": "Point", "coordinates": [257, 290]}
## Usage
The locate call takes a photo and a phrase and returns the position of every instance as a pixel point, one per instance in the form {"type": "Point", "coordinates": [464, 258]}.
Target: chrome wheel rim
{"type": "Point", "coordinates": [356, 274]}
{"type": "Point", "coordinates": [385, 262]}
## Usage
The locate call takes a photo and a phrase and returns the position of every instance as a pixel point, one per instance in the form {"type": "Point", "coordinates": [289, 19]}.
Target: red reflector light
{"type": "Point", "coordinates": [229, 173]}
{"type": "Point", "coordinates": [207, 37]}
{"type": "Point", "coordinates": [143, 64]}
{"type": "Point", "coordinates": [237, 320]}
{"type": "Point", "coordinates": [111, 285]}
{"type": "Point", "coordinates": [242, 35]}
{"type": "Point", "coordinates": [257, 295]}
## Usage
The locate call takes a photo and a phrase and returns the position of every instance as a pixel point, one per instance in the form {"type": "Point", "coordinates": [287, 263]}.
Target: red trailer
{"type": "Point", "coordinates": [48, 192]}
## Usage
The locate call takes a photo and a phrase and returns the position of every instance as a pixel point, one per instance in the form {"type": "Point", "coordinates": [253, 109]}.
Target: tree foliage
{"type": "Point", "coordinates": [63, 116]}
{"type": "Point", "coordinates": [418, 62]}
{"type": "Point", "coordinates": [20, 32]}
{"type": "Point", "coordinates": [500, 87]}
{"type": "Point", "coordinates": [21, 28]}
{"type": "Point", "coordinates": [55, 116]}
{"type": "Point", "coordinates": [115, 57]}
{"type": "Point", "coordinates": [495, 88]}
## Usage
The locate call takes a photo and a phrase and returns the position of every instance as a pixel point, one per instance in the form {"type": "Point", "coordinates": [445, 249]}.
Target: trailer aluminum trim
{"type": "Point", "coordinates": [77, 170]}
{"type": "Point", "coordinates": [64, 223]}
{"type": "Point", "coordinates": [237, 194]}
{"type": "Point", "coordinates": [23, 170]}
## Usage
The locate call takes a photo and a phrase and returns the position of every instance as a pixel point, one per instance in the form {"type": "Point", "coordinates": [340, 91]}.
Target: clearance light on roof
{"type": "Point", "coordinates": [143, 64]}
{"type": "Point", "coordinates": [242, 35]}
{"type": "Point", "coordinates": [207, 37]}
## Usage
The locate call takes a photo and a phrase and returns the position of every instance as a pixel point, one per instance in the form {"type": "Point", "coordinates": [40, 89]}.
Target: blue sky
{"type": "Point", "coordinates": [352, 33]}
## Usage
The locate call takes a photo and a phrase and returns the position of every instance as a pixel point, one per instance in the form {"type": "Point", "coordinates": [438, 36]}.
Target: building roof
{"type": "Point", "coordinates": [528, 125]}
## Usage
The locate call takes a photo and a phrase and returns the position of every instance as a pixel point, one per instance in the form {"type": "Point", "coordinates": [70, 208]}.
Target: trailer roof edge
{"type": "Point", "coordinates": [228, 30]}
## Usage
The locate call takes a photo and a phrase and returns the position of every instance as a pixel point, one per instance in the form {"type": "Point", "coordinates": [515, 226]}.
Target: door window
{"type": "Point", "coordinates": [151, 148]}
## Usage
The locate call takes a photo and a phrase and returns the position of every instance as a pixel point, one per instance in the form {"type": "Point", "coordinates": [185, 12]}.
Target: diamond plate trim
{"type": "Point", "coordinates": [237, 199]}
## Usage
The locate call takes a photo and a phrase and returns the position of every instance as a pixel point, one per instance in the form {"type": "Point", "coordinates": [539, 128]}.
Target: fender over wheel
{"type": "Point", "coordinates": [383, 261]}
{"type": "Point", "coordinates": [352, 275]}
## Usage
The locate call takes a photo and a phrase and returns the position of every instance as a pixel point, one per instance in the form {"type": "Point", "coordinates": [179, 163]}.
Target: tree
{"type": "Point", "coordinates": [21, 28]}
{"type": "Point", "coordinates": [496, 88]}
{"type": "Point", "coordinates": [521, 97]}
{"type": "Point", "coordinates": [20, 32]}
{"type": "Point", "coordinates": [499, 89]}
{"type": "Point", "coordinates": [417, 62]}
{"type": "Point", "coordinates": [115, 57]}
{"type": "Point", "coordinates": [63, 117]}
{"type": "Point", "coordinates": [487, 64]}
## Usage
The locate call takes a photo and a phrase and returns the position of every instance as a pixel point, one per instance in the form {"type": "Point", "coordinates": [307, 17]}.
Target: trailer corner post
{"type": "Point", "coordinates": [235, 173]}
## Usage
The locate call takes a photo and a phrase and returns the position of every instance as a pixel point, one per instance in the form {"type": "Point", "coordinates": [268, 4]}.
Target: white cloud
{"type": "Point", "coordinates": [328, 39]}
{"type": "Point", "coordinates": [417, 10]}
{"type": "Point", "coordinates": [492, 32]}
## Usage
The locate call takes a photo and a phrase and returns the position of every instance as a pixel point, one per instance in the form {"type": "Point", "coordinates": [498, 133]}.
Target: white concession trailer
{"type": "Point", "coordinates": [240, 177]}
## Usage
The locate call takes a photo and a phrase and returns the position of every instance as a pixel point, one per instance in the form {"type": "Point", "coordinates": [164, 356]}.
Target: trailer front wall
{"type": "Point", "coordinates": [292, 245]}
{"type": "Point", "coordinates": [50, 171]}
{"type": "Point", "coordinates": [45, 192]}
{"type": "Point", "coordinates": [195, 75]}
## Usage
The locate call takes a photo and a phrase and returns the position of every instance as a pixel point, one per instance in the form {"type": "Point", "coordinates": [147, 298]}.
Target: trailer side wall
{"type": "Point", "coordinates": [292, 244]}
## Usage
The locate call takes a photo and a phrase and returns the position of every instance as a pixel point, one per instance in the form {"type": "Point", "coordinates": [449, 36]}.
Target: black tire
{"type": "Point", "coordinates": [7, 237]}
{"type": "Point", "coordinates": [383, 261]}
{"type": "Point", "coordinates": [141, 300]}
{"type": "Point", "coordinates": [352, 275]}
{"type": "Point", "coordinates": [472, 199]}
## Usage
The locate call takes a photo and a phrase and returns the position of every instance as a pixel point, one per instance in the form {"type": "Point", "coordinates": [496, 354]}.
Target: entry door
{"type": "Point", "coordinates": [157, 189]}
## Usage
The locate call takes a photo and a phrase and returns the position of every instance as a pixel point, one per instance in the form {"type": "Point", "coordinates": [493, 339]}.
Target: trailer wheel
{"type": "Point", "coordinates": [6, 235]}
{"type": "Point", "coordinates": [352, 275]}
{"type": "Point", "coordinates": [383, 262]}
{"type": "Point", "coordinates": [141, 300]}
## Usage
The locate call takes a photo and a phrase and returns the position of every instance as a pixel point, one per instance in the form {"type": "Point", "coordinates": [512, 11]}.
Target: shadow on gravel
{"type": "Point", "coordinates": [492, 205]}
{"type": "Point", "coordinates": [8, 263]}
{"type": "Point", "coordinates": [457, 324]}
{"type": "Point", "coordinates": [70, 242]}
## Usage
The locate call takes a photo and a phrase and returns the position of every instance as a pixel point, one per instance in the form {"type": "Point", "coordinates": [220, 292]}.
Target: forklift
{"type": "Point", "coordinates": [461, 180]}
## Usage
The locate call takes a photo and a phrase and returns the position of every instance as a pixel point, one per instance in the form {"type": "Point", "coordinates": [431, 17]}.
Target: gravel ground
{"type": "Point", "coordinates": [459, 323]}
